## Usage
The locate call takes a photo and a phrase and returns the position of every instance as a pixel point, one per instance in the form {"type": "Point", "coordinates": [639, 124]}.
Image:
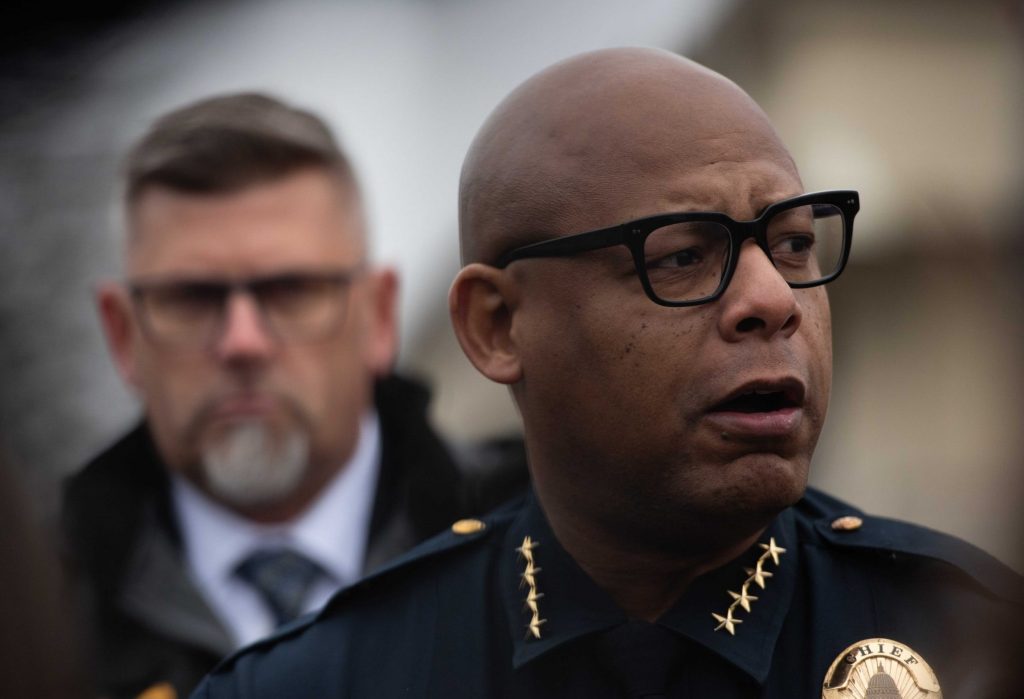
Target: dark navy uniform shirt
{"type": "Point", "coordinates": [503, 611]}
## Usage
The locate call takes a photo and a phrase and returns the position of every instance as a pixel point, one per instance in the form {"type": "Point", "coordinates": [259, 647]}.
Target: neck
{"type": "Point", "coordinates": [644, 582]}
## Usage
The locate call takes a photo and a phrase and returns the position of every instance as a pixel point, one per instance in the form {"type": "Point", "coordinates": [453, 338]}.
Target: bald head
{"type": "Point", "coordinates": [574, 134]}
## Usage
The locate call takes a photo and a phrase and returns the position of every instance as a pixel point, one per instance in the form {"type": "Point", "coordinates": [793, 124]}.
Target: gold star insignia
{"type": "Point", "coordinates": [773, 550]}
{"type": "Point", "coordinates": [529, 573]}
{"type": "Point", "coordinates": [727, 622]}
{"type": "Point", "coordinates": [531, 600]}
{"type": "Point", "coordinates": [534, 627]}
{"type": "Point", "coordinates": [758, 575]}
{"type": "Point", "coordinates": [743, 597]}
{"type": "Point", "coordinates": [755, 576]}
{"type": "Point", "coordinates": [529, 579]}
{"type": "Point", "coordinates": [527, 548]}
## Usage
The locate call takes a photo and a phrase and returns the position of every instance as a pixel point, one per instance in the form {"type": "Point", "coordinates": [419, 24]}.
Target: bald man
{"type": "Point", "coordinates": [645, 271]}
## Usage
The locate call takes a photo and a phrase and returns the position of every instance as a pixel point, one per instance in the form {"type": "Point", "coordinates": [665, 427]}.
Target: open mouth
{"type": "Point", "coordinates": [763, 398]}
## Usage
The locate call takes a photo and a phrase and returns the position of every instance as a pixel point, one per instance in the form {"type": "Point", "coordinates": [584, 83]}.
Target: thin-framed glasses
{"type": "Point", "coordinates": [686, 259]}
{"type": "Point", "coordinates": [191, 313]}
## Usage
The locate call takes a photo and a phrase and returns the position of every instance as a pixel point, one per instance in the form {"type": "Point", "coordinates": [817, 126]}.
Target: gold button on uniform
{"type": "Point", "coordinates": [849, 523]}
{"type": "Point", "coordinates": [162, 690]}
{"type": "Point", "coordinates": [468, 526]}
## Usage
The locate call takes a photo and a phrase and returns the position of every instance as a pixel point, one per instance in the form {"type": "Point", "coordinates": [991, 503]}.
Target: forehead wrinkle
{"type": "Point", "coordinates": [740, 189]}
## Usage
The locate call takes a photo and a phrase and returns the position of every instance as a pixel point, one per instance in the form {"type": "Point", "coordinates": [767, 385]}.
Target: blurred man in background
{"type": "Point", "coordinates": [279, 457]}
{"type": "Point", "coordinates": [645, 270]}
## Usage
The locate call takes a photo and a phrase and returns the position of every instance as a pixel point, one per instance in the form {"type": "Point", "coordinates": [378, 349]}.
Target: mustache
{"type": "Point", "coordinates": [210, 404]}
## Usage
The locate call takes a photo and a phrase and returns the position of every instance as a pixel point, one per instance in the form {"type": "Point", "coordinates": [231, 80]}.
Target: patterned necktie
{"type": "Point", "coordinates": [282, 577]}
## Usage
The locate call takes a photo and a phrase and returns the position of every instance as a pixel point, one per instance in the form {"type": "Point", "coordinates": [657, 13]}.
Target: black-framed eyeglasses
{"type": "Point", "coordinates": [191, 313]}
{"type": "Point", "coordinates": [685, 259]}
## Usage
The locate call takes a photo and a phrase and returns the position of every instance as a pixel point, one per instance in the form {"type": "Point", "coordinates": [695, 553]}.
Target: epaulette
{"type": "Point", "coordinates": [460, 534]}
{"type": "Point", "coordinates": [855, 530]}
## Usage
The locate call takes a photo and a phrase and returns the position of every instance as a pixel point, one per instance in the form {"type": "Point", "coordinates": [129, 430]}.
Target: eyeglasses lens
{"type": "Point", "coordinates": [180, 312]}
{"type": "Point", "coordinates": [686, 261]}
{"type": "Point", "coordinates": [301, 307]}
{"type": "Point", "coordinates": [806, 242]}
{"type": "Point", "coordinates": [294, 307]}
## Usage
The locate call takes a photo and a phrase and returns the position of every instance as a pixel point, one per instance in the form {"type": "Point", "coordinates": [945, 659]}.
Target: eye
{"type": "Point", "coordinates": [295, 292]}
{"type": "Point", "coordinates": [795, 244]}
{"type": "Point", "coordinates": [680, 259]}
{"type": "Point", "coordinates": [685, 246]}
{"type": "Point", "coordinates": [685, 260]}
{"type": "Point", "coordinates": [187, 297]}
{"type": "Point", "coordinates": [793, 249]}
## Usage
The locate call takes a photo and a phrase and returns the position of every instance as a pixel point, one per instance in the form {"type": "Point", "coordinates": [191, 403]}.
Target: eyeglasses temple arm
{"type": "Point", "coordinates": [566, 245]}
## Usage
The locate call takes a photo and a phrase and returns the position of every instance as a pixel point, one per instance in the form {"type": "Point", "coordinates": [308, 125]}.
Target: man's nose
{"type": "Point", "coordinates": [758, 301]}
{"type": "Point", "coordinates": [244, 334]}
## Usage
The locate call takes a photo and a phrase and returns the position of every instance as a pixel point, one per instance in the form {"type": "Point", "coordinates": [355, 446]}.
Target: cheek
{"type": "Point", "coordinates": [613, 370]}
{"type": "Point", "coordinates": [332, 386]}
{"type": "Point", "coordinates": [172, 390]}
{"type": "Point", "coordinates": [335, 429]}
{"type": "Point", "coordinates": [173, 387]}
{"type": "Point", "coordinates": [324, 377]}
{"type": "Point", "coordinates": [817, 329]}
{"type": "Point", "coordinates": [314, 377]}
{"type": "Point", "coordinates": [663, 347]}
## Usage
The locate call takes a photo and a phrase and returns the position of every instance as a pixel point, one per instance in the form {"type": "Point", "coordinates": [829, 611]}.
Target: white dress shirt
{"type": "Point", "coordinates": [332, 531]}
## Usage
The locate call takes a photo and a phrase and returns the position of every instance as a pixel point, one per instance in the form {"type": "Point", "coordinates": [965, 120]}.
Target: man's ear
{"type": "Point", "coordinates": [383, 322]}
{"type": "Point", "coordinates": [114, 307]}
{"type": "Point", "coordinates": [481, 303]}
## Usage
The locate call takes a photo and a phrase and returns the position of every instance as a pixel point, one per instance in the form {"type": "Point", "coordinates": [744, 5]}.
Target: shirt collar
{"type": "Point", "coordinates": [570, 605]}
{"type": "Point", "coordinates": [332, 531]}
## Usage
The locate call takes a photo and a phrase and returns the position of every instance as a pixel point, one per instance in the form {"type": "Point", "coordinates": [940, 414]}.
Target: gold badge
{"type": "Point", "coordinates": [880, 668]}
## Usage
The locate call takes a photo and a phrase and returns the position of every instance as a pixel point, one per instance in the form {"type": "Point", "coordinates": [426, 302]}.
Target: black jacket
{"type": "Point", "coordinates": [453, 618]}
{"type": "Point", "coordinates": [151, 625]}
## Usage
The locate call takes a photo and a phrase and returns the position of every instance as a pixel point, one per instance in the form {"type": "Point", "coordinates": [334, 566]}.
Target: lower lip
{"type": "Point", "coordinates": [775, 423]}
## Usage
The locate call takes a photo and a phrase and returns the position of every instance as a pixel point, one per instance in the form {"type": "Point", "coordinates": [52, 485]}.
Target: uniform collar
{"type": "Point", "coordinates": [570, 605]}
{"type": "Point", "coordinates": [753, 644]}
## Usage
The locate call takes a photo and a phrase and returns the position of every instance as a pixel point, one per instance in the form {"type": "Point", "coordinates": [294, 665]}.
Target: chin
{"type": "Point", "coordinates": [764, 484]}
{"type": "Point", "coordinates": [712, 509]}
{"type": "Point", "coordinates": [250, 465]}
